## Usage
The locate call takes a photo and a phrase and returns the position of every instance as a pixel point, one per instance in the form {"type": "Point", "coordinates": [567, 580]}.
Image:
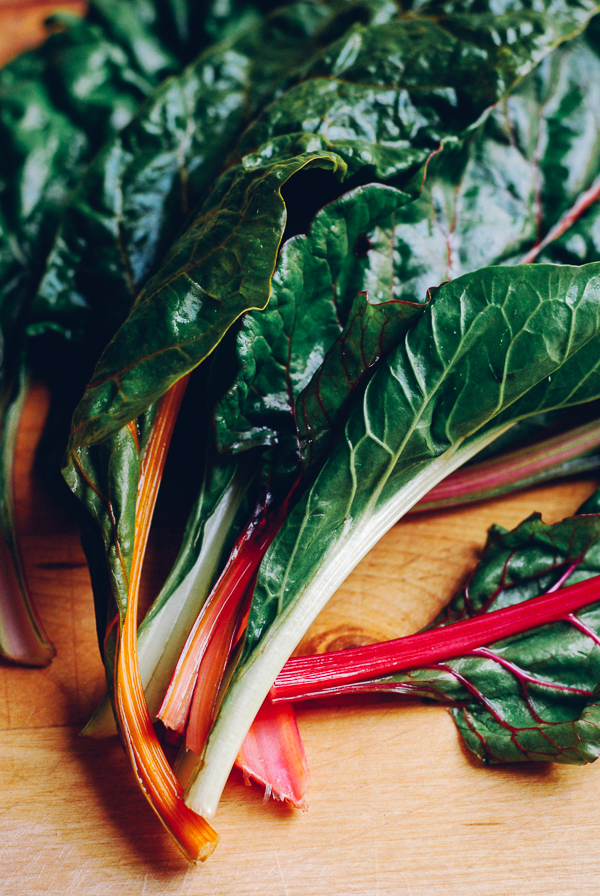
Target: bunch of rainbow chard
{"type": "Point", "coordinates": [333, 219]}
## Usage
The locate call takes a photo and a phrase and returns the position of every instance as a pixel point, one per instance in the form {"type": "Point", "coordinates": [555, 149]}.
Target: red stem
{"type": "Point", "coordinates": [214, 628]}
{"type": "Point", "coordinates": [304, 677]}
{"type": "Point", "coordinates": [583, 202]}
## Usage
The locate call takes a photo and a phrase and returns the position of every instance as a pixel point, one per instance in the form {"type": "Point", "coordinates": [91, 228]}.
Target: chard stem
{"type": "Point", "coordinates": [311, 676]}
{"type": "Point", "coordinates": [273, 755]}
{"type": "Point", "coordinates": [200, 668]}
{"type": "Point", "coordinates": [193, 835]}
{"type": "Point", "coordinates": [513, 469]}
{"type": "Point", "coordinates": [254, 678]}
{"type": "Point", "coordinates": [22, 636]}
{"type": "Point", "coordinates": [582, 203]}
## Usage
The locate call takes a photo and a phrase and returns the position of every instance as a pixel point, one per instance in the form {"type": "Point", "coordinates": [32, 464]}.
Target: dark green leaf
{"type": "Point", "coordinates": [355, 108]}
{"type": "Point", "coordinates": [535, 695]}
{"type": "Point", "coordinates": [57, 104]}
{"type": "Point", "coordinates": [313, 300]}
{"type": "Point", "coordinates": [385, 97]}
{"type": "Point", "coordinates": [485, 343]}
{"type": "Point", "coordinates": [220, 268]}
{"type": "Point", "coordinates": [141, 188]}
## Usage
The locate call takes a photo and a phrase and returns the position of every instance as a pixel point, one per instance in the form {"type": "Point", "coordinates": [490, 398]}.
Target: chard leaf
{"type": "Point", "coordinates": [131, 204]}
{"type": "Point", "coordinates": [515, 652]}
{"type": "Point", "coordinates": [481, 345]}
{"type": "Point", "coordinates": [313, 300]}
{"type": "Point", "coordinates": [362, 109]}
{"type": "Point", "coordinates": [533, 696]}
{"type": "Point", "coordinates": [484, 345]}
{"type": "Point", "coordinates": [528, 163]}
{"type": "Point", "coordinates": [479, 205]}
{"type": "Point", "coordinates": [386, 96]}
{"type": "Point", "coordinates": [186, 309]}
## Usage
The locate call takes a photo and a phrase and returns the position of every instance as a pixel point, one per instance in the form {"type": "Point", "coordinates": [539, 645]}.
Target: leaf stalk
{"type": "Point", "coordinates": [192, 834]}
{"type": "Point", "coordinates": [331, 673]}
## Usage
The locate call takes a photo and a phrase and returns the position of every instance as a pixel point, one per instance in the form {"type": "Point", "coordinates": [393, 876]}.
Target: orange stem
{"type": "Point", "coordinates": [193, 834]}
{"type": "Point", "coordinates": [208, 682]}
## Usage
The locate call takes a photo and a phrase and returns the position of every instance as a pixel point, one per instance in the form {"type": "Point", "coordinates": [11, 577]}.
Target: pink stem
{"type": "Point", "coordinates": [568, 219]}
{"type": "Point", "coordinates": [493, 476]}
{"type": "Point", "coordinates": [273, 755]}
{"type": "Point", "coordinates": [302, 676]}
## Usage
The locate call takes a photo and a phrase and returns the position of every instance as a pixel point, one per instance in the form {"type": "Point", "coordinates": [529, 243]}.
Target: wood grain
{"type": "Point", "coordinates": [397, 806]}
{"type": "Point", "coordinates": [22, 23]}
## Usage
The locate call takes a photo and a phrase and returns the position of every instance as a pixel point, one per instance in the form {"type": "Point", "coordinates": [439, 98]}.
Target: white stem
{"type": "Point", "coordinates": [163, 633]}
{"type": "Point", "coordinates": [162, 637]}
{"type": "Point", "coordinates": [253, 681]}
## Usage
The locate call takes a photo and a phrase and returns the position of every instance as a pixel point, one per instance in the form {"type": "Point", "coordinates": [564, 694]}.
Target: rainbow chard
{"type": "Point", "coordinates": [259, 460]}
{"type": "Point", "coordinates": [490, 349]}
{"type": "Point", "coordinates": [276, 353]}
{"type": "Point", "coordinates": [58, 105]}
{"type": "Point", "coordinates": [124, 516]}
{"type": "Point", "coordinates": [533, 695]}
{"type": "Point", "coordinates": [354, 234]}
{"type": "Point", "coordinates": [343, 118]}
{"type": "Point", "coordinates": [334, 411]}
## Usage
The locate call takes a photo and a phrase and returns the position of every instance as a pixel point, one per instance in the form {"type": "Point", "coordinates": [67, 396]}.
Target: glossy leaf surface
{"type": "Point", "coordinates": [383, 99]}
{"type": "Point", "coordinates": [186, 309]}
{"type": "Point", "coordinates": [479, 206]}
{"type": "Point", "coordinates": [487, 342]}
{"type": "Point", "coordinates": [361, 88]}
{"type": "Point", "coordinates": [313, 301]}
{"type": "Point", "coordinates": [57, 104]}
{"type": "Point", "coordinates": [139, 191]}
{"type": "Point", "coordinates": [387, 96]}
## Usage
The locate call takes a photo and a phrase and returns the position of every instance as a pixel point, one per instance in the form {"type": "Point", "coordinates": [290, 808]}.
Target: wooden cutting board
{"type": "Point", "coordinates": [397, 805]}
{"type": "Point", "coordinates": [22, 23]}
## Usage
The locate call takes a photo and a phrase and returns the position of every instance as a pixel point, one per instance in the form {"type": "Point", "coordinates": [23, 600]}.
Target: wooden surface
{"type": "Point", "coordinates": [397, 806]}
{"type": "Point", "coordinates": [22, 23]}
